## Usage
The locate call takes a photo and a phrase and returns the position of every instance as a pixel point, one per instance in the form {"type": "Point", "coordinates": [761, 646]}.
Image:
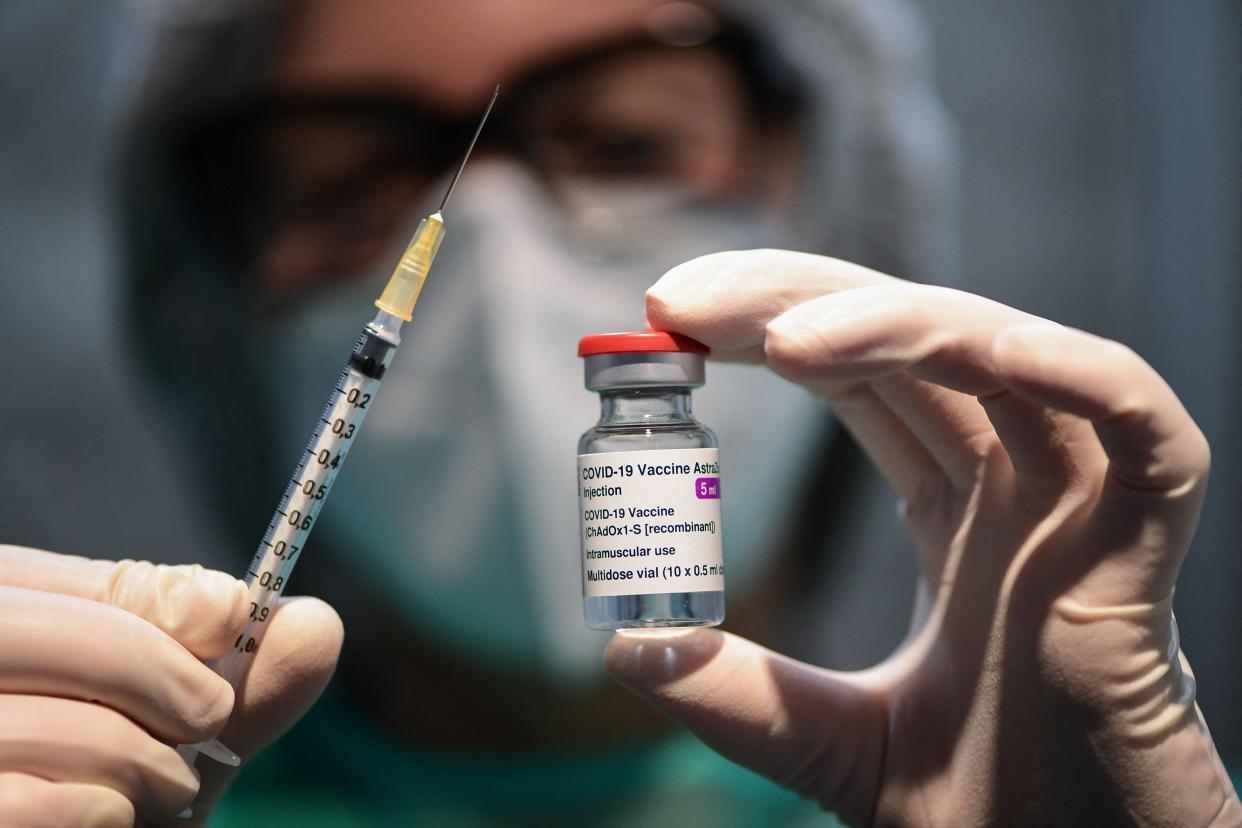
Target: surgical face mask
{"type": "Point", "coordinates": [459, 501]}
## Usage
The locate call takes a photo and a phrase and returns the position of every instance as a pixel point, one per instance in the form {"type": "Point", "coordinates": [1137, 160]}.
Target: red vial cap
{"type": "Point", "coordinates": [635, 342]}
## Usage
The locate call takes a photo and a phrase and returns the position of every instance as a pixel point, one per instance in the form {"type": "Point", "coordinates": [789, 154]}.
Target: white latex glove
{"type": "Point", "coordinates": [101, 676]}
{"type": "Point", "coordinates": [1052, 482]}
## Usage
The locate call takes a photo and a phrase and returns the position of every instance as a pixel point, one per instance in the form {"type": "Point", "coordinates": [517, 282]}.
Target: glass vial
{"type": "Point", "coordinates": [648, 487]}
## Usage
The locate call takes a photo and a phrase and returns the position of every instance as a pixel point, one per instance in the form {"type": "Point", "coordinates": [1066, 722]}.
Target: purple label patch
{"type": "Point", "coordinates": [707, 488]}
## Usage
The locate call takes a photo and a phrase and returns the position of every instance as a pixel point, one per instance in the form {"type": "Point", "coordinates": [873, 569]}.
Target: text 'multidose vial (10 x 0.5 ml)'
{"type": "Point", "coordinates": [648, 487]}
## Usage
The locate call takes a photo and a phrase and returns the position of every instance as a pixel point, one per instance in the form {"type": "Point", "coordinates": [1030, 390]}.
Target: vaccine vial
{"type": "Point", "coordinates": [648, 487]}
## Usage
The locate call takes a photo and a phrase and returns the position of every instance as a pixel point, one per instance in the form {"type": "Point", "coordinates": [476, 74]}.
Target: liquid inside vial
{"type": "Point", "coordinates": [668, 500]}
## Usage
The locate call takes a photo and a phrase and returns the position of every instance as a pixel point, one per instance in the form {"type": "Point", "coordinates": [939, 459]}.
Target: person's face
{"type": "Point", "coordinates": [590, 90]}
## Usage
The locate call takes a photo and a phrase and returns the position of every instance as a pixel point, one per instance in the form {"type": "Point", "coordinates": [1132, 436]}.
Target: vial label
{"type": "Point", "coordinates": [650, 521]}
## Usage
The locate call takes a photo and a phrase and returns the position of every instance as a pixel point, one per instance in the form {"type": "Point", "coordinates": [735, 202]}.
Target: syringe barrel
{"type": "Point", "coordinates": [309, 486]}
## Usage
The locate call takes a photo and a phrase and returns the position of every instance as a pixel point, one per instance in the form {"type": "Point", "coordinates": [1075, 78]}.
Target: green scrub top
{"type": "Point", "coordinates": [337, 769]}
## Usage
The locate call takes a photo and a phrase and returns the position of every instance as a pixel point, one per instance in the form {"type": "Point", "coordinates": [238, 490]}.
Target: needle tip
{"type": "Point", "coordinates": [469, 149]}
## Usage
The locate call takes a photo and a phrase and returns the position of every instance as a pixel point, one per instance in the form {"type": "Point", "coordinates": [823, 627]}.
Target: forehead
{"type": "Point", "coordinates": [451, 53]}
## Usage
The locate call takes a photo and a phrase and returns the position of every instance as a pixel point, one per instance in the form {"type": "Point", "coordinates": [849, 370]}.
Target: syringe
{"type": "Point", "coordinates": [336, 430]}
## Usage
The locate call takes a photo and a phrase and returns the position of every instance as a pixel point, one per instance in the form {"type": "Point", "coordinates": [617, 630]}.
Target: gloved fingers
{"type": "Point", "coordinates": [926, 493]}
{"type": "Point", "coordinates": [929, 498]}
{"type": "Point", "coordinates": [1051, 451]}
{"type": "Point", "coordinates": [725, 300]}
{"type": "Point", "coordinates": [291, 668]}
{"type": "Point", "coordinates": [1158, 459]}
{"type": "Point", "coordinates": [33, 802]}
{"type": "Point", "coordinates": [820, 733]}
{"type": "Point", "coordinates": [62, 740]}
{"type": "Point", "coordinates": [1152, 443]}
{"type": "Point", "coordinates": [202, 609]}
{"type": "Point", "coordinates": [903, 460]}
{"type": "Point", "coordinates": [940, 336]}
{"type": "Point", "coordinates": [59, 645]}
{"type": "Point", "coordinates": [952, 426]}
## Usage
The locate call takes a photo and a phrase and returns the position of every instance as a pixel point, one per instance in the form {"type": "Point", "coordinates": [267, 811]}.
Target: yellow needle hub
{"type": "Point", "coordinates": [401, 293]}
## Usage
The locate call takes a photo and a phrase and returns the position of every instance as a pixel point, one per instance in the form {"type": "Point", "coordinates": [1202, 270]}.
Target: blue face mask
{"type": "Point", "coordinates": [459, 502]}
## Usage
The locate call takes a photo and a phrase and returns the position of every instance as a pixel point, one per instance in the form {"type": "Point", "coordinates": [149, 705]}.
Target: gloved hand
{"type": "Point", "coordinates": [1052, 482]}
{"type": "Point", "coordinates": [101, 676]}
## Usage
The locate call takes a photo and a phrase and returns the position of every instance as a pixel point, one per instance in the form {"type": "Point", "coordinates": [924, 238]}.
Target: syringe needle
{"type": "Point", "coordinates": [469, 149]}
{"type": "Point", "coordinates": [401, 292]}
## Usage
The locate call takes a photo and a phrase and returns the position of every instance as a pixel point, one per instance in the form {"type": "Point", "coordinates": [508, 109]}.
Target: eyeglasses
{"type": "Point", "coordinates": [332, 175]}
